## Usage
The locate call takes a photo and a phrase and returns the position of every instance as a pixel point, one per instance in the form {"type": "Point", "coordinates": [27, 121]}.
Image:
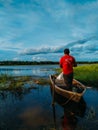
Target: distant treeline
{"type": "Point", "coordinates": [39, 63]}
{"type": "Point", "coordinates": [26, 62]}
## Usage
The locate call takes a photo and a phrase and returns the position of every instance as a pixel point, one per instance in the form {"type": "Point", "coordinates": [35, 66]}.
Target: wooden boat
{"type": "Point", "coordinates": [58, 86]}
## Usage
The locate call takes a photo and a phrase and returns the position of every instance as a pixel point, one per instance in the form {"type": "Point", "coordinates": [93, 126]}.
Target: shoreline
{"type": "Point", "coordinates": [40, 62]}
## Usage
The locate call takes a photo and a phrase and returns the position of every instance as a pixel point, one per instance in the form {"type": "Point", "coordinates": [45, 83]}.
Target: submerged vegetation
{"type": "Point", "coordinates": [8, 82]}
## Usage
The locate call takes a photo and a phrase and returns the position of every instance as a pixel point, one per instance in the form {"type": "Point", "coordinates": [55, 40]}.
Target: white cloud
{"type": "Point", "coordinates": [10, 46]}
{"type": "Point", "coordinates": [81, 49]}
{"type": "Point", "coordinates": [16, 59]}
{"type": "Point", "coordinates": [83, 44]}
{"type": "Point", "coordinates": [39, 58]}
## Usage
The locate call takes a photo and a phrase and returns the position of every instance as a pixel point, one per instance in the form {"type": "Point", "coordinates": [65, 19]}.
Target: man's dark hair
{"type": "Point", "coordinates": [66, 51]}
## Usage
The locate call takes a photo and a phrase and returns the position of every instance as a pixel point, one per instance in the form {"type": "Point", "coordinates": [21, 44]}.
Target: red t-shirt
{"type": "Point", "coordinates": [67, 62]}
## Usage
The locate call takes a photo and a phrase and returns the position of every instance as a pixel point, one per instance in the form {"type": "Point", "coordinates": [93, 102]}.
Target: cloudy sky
{"type": "Point", "coordinates": [41, 29]}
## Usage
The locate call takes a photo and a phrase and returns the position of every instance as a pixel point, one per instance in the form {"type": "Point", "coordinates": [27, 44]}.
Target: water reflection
{"type": "Point", "coordinates": [28, 70]}
{"type": "Point", "coordinates": [17, 94]}
{"type": "Point", "coordinates": [25, 109]}
{"type": "Point", "coordinates": [69, 121]}
{"type": "Point", "coordinates": [72, 111]}
{"type": "Point", "coordinates": [54, 116]}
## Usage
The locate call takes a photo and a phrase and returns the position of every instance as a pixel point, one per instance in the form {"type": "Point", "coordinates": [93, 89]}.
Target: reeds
{"type": "Point", "coordinates": [8, 82]}
{"type": "Point", "coordinates": [87, 74]}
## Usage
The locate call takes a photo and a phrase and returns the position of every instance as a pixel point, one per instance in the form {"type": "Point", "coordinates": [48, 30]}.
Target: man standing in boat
{"type": "Point", "coordinates": [67, 62]}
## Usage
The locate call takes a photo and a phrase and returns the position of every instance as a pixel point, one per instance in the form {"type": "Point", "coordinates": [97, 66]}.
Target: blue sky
{"type": "Point", "coordinates": [40, 29]}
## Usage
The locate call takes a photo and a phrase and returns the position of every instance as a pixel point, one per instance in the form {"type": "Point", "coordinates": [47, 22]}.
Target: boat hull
{"type": "Point", "coordinates": [70, 95]}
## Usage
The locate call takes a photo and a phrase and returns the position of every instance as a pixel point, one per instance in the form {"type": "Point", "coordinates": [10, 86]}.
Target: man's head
{"type": "Point", "coordinates": [66, 51]}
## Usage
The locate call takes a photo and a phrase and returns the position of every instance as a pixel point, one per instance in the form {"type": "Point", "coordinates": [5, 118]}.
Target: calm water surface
{"type": "Point", "coordinates": [32, 109]}
{"type": "Point", "coordinates": [28, 70]}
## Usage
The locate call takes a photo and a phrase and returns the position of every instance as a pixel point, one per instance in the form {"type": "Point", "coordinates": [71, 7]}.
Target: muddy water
{"type": "Point", "coordinates": [32, 109]}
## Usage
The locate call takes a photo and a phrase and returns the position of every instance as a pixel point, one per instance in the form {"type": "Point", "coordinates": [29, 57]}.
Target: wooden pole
{"type": "Point", "coordinates": [53, 93]}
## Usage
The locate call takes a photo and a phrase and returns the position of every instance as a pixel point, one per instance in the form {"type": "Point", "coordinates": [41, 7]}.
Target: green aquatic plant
{"type": "Point", "coordinates": [5, 77]}
{"type": "Point", "coordinates": [87, 74]}
{"type": "Point", "coordinates": [14, 83]}
{"type": "Point", "coordinates": [8, 82]}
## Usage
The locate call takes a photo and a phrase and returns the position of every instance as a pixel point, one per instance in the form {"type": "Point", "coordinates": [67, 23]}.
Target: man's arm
{"type": "Point", "coordinates": [60, 66]}
{"type": "Point", "coordinates": [60, 63]}
{"type": "Point", "coordinates": [75, 63]}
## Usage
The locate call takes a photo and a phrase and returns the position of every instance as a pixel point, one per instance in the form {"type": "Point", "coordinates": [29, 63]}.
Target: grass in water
{"type": "Point", "coordinates": [87, 74]}
{"type": "Point", "coordinates": [8, 82]}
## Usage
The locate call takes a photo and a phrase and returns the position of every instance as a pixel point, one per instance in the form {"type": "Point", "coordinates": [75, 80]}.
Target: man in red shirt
{"type": "Point", "coordinates": [67, 62]}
